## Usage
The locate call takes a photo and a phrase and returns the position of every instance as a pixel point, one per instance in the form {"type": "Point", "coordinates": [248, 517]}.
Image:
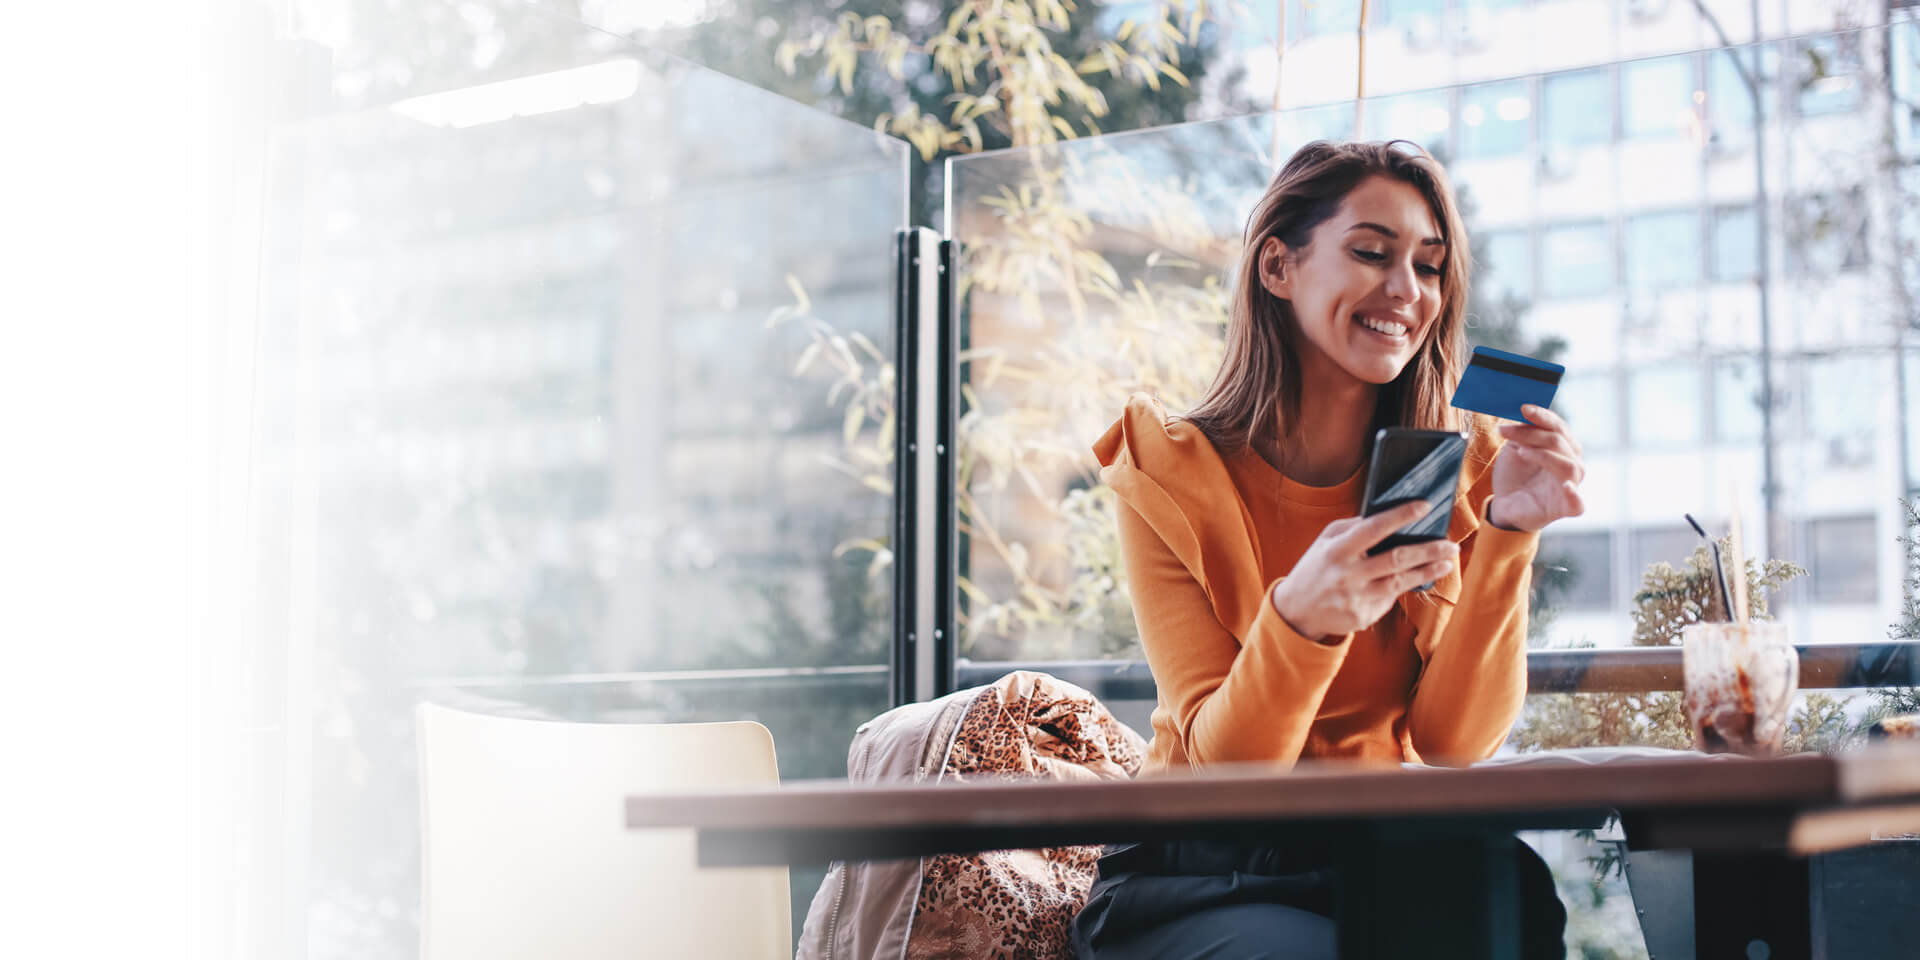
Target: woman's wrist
{"type": "Point", "coordinates": [1489, 518]}
{"type": "Point", "coordinates": [1280, 610]}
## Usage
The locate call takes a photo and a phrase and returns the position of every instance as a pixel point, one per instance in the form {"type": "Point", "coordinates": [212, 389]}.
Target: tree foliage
{"type": "Point", "coordinates": [1007, 72]}
{"type": "Point", "coordinates": [1895, 701]}
{"type": "Point", "coordinates": [955, 78]}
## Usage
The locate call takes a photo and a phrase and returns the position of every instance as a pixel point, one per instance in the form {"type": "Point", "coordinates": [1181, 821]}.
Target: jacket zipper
{"type": "Point", "coordinates": [833, 919]}
{"type": "Point", "coordinates": [840, 889]}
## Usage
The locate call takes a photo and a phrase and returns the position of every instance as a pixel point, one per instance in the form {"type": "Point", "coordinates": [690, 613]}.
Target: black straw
{"type": "Point", "coordinates": [1719, 572]}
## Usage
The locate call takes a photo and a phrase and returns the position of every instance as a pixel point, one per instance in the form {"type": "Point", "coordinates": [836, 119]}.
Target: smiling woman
{"type": "Point", "coordinates": [1344, 236]}
{"type": "Point", "coordinates": [1272, 633]}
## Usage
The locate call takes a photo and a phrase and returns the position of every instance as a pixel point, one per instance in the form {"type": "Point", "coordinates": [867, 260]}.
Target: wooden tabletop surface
{"type": "Point", "coordinates": [1831, 798]}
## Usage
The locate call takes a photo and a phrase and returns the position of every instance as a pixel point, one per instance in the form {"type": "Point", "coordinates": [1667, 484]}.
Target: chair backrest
{"type": "Point", "coordinates": [525, 851]}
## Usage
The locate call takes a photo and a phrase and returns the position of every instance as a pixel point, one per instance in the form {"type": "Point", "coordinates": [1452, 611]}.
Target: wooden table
{"type": "Point", "coordinates": [1750, 823]}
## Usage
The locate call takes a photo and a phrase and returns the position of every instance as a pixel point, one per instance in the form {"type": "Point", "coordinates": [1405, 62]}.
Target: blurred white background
{"type": "Point", "coordinates": [110, 360]}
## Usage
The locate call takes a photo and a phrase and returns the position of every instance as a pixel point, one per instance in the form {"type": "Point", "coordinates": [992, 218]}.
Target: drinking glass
{"type": "Point", "coordinates": [1740, 680]}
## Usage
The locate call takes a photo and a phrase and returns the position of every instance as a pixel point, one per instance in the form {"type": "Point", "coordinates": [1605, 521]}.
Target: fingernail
{"type": "Point", "coordinates": [1446, 567]}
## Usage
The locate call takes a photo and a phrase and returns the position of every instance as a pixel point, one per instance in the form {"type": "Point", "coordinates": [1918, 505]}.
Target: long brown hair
{"type": "Point", "coordinates": [1257, 390]}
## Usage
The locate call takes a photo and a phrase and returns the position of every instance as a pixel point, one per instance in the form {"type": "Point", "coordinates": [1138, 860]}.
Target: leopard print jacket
{"type": "Point", "coordinates": [1001, 903]}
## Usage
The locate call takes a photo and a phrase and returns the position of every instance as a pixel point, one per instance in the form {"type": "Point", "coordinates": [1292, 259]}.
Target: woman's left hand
{"type": "Point", "coordinates": [1537, 473]}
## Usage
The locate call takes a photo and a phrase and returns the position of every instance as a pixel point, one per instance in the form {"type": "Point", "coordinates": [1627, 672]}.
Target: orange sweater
{"type": "Point", "coordinates": [1439, 679]}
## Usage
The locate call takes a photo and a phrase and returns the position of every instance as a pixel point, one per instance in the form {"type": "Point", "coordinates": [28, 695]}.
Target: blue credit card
{"type": "Point", "coordinates": [1497, 383]}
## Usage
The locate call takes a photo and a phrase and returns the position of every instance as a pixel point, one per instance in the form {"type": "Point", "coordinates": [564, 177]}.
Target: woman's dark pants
{"type": "Point", "coordinates": [1221, 900]}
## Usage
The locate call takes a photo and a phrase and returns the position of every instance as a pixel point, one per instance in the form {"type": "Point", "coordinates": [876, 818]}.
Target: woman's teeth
{"type": "Point", "coordinates": [1382, 327]}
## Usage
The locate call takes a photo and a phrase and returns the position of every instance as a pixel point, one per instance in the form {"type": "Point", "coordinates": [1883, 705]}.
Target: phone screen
{"type": "Point", "coordinates": [1410, 464]}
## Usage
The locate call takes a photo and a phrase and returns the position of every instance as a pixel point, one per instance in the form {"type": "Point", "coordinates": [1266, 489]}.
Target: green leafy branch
{"type": "Point", "coordinates": [1000, 59]}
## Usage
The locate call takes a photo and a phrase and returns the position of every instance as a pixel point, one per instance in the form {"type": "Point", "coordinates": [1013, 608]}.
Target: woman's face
{"type": "Point", "coordinates": [1366, 290]}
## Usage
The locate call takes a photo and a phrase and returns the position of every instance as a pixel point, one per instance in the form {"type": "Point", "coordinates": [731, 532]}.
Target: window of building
{"type": "Point", "coordinates": [1504, 264]}
{"type": "Point", "coordinates": [1904, 45]}
{"type": "Point", "coordinates": [1650, 545]}
{"type": "Point", "coordinates": [1736, 401]}
{"type": "Point", "coordinates": [1734, 244]}
{"type": "Point", "coordinates": [1421, 117]}
{"type": "Point", "coordinates": [1843, 395]}
{"type": "Point", "coordinates": [1657, 98]}
{"type": "Point", "coordinates": [1590, 405]}
{"type": "Point", "coordinates": [1842, 392]}
{"type": "Point", "coordinates": [1844, 564]}
{"type": "Point", "coordinates": [1664, 405]}
{"type": "Point", "coordinates": [1576, 109]}
{"type": "Point", "coordinates": [1576, 260]}
{"type": "Point", "coordinates": [1827, 74]}
{"type": "Point", "coordinates": [1912, 361]}
{"type": "Point", "coordinates": [1578, 571]}
{"type": "Point", "coordinates": [1729, 101]}
{"type": "Point", "coordinates": [1663, 251]}
{"type": "Point", "coordinates": [1314, 18]}
{"type": "Point", "coordinates": [1406, 13]}
{"type": "Point", "coordinates": [1494, 118]}
{"type": "Point", "coordinates": [1332, 121]}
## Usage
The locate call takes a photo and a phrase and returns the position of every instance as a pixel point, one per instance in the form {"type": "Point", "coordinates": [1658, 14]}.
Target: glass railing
{"type": "Point", "coordinates": [1637, 223]}
{"type": "Point", "coordinates": [1629, 252]}
{"type": "Point", "coordinates": [564, 380]}
{"type": "Point", "coordinates": [576, 374]}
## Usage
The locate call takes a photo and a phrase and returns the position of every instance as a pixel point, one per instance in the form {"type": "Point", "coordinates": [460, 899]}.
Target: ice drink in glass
{"type": "Point", "coordinates": [1740, 680]}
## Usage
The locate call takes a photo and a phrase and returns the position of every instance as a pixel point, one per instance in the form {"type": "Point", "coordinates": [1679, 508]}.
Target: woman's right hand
{"type": "Point", "coordinates": [1337, 589]}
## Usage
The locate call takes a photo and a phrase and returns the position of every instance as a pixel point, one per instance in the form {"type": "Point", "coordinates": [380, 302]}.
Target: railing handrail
{"type": "Point", "coordinates": [717, 675]}
{"type": "Point", "coordinates": [1823, 666]}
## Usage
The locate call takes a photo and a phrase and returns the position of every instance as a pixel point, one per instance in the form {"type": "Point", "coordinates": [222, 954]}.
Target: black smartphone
{"type": "Point", "coordinates": [1410, 464]}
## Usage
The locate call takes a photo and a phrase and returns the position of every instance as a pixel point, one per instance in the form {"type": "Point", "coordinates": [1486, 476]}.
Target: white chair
{"type": "Point", "coordinates": [525, 851]}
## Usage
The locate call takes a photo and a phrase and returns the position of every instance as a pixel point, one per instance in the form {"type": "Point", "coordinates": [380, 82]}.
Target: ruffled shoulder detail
{"type": "Point", "coordinates": [1169, 473]}
{"type": "Point", "coordinates": [1144, 437]}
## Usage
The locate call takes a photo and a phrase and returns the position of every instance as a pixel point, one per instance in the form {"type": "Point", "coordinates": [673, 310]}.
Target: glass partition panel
{"type": "Point", "coordinates": [1425, 118]}
{"type": "Point", "coordinates": [1495, 119]}
{"type": "Point", "coordinates": [1737, 400]}
{"type": "Point", "coordinates": [1658, 98]}
{"type": "Point", "coordinates": [1088, 271]}
{"type": "Point", "coordinates": [1734, 249]}
{"type": "Point", "coordinates": [1503, 263]}
{"type": "Point", "coordinates": [568, 377]}
{"type": "Point", "coordinates": [1591, 405]}
{"type": "Point", "coordinates": [1577, 260]}
{"type": "Point", "coordinates": [1663, 251]}
{"type": "Point", "coordinates": [1664, 407]}
{"type": "Point", "coordinates": [1576, 109]}
{"type": "Point", "coordinates": [1102, 267]}
{"type": "Point", "coordinates": [1724, 346]}
{"type": "Point", "coordinates": [1735, 82]}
